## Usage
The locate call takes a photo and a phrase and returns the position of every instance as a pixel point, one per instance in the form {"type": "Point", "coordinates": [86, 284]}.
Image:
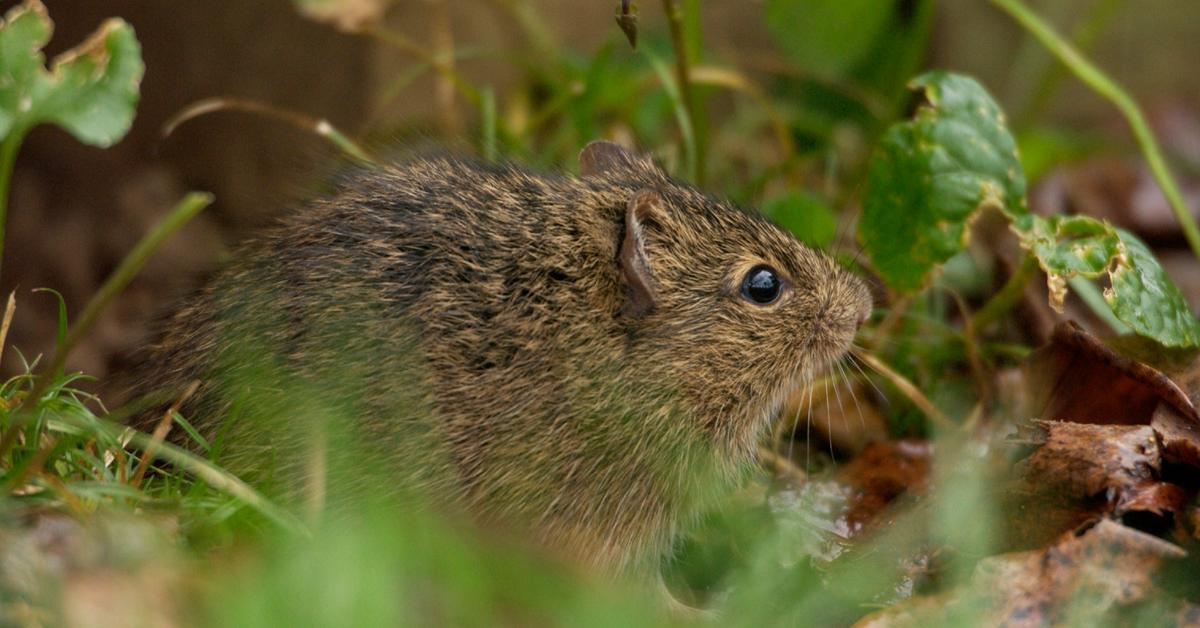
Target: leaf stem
{"type": "Point", "coordinates": [1096, 79]}
{"type": "Point", "coordinates": [8, 160]}
{"type": "Point", "coordinates": [1008, 295]}
{"type": "Point", "coordinates": [1083, 37]}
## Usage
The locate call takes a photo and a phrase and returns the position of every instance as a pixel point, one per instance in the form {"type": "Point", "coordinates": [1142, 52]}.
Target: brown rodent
{"type": "Point", "coordinates": [584, 359]}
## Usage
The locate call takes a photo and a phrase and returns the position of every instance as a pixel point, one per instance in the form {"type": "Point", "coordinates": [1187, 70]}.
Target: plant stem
{"type": "Point", "coordinates": [1008, 295]}
{"type": "Point", "coordinates": [683, 79]}
{"type": "Point", "coordinates": [908, 389]}
{"type": "Point", "coordinates": [116, 282]}
{"type": "Point", "coordinates": [444, 89]}
{"type": "Point", "coordinates": [133, 262]}
{"type": "Point", "coordinates": [1095, 78]}
{"type": "Point", "coordinates": [1094, 298]}
{"type": "Point", "coordinates": [1083, 37]}
{"type": "Point", "coordinates": [686, 129]}
{"type": "Point", "coordinates": [8, 159]}
{"type": "Point", "coordinates": [488, 123]}
{"type": "Point", "coordinates": [320, 127]}
{"type": "Point", "coordinates": [442, 66]}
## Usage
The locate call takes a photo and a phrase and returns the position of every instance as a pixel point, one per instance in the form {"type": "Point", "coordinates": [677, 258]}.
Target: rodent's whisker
{"type": "Point", "coordinates": [841, 410]}
{"type": "Point", "coordinates": [808, 430]}
{"type": "Point", "coordinates": [828, 431]}
{"type": "Point", "coordinates": [791, 433]}
{"type": "Point", "coordinates": [853, 395]}
{"type": "Point", "coordinates": [854, 361]}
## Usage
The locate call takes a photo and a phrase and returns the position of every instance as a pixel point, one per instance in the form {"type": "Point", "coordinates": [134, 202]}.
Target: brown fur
{"type": "Point", "coordinates": [571, 357]}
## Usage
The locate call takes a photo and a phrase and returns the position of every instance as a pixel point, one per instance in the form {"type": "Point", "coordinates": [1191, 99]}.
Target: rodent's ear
{"type": "Point", "coordinates": [635, 269]}
{"type": "Point", "coordinates": [601, 157]}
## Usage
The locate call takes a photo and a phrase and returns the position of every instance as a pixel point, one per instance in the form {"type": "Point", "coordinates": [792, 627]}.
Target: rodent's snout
{"type": "Point", "coordinates": [862, 318]}
{"type": "Point", "coordinates": [858, 299]}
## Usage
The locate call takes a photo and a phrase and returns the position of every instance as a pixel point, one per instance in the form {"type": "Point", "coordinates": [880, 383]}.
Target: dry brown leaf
{"type": "Point", "coordinates": [1077, 378]}
{"type": "Point", "coordinates": [880, 474]}
{"type": "Point", "coordinates": [1082, 461]}
{"type": "Point", "coordinates": [1080, 580]}
{"type": "Point", "coordinates": [351, 16]}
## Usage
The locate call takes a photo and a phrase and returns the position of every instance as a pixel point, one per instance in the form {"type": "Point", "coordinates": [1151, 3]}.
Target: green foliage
{"type": "Point", "coordinates": [762, 563]}
{"type": "Point", "coordinates": [827, 36]}
{"type": "Point", "coordinates": [805, 215]}
{"type": "Point", "coordinates": [91, 91]}
{"type": "Point", "coordinates": [933, 174]}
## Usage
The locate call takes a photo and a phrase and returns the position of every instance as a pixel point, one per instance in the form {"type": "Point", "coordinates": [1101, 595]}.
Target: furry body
{"type": "Point", "coordinates": [476, 320]}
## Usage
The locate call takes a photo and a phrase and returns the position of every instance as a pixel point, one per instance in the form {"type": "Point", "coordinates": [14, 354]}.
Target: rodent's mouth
{"type": "Point", "coordinates": [821, 359]}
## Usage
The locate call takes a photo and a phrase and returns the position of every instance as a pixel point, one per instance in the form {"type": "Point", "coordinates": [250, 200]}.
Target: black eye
{"type": "Point", "coordinates": [761, 285]}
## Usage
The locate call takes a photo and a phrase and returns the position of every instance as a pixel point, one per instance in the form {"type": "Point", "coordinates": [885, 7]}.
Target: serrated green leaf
{"type": "Point", "coordinates": [1141, 294]}
{"type": "Point", "coordinates": [91, 91]}
{"type": "Point", "coordinates": [805, 215]}
{"type": "Point", "coordinates": [827, 36]}
{"type": "Point", "coordinates": [1071, 245]}
{"type": "Point", "coordinates": [1145, 298]}
{"type": "Point", "coordinates": [932, 174]}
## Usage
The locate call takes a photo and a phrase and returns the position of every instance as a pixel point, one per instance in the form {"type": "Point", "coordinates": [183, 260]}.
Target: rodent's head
{"type": "Point", "coordinates": [734, 310]}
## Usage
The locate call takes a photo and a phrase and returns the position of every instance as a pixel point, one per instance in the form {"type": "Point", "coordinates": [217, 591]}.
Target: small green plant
{"type": "Point", "coordinates": [91, 91]}
{"type": "Point", "coordinates": [932, 175]}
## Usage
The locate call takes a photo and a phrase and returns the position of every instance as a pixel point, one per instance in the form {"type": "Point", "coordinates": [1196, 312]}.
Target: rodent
{"type": "Point", "coordinates": [588, 360]}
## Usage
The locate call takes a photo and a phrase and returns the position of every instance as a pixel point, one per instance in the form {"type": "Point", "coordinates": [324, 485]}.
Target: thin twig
{"type": "Point", "coordinates": [979, 371]}
{"type": "Point", "coordinates": [439, 65]}
{"type": "Point", "coordinates": [160, 434]}
{"type": "Point", "coordinates": [318, 126]}
{"type": "Point", "coordinates": [445, 89]}
{"type": "Point", "coordinates": [1083, 37]}
{"type": "Point", "coordinates": [780, 465]}
{"type": "Point", "coordinates": [10, 308]}
{"type": "Point", "coordinates": [734, 80]}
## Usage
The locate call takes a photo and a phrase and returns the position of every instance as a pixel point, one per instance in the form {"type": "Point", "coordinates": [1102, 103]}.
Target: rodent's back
{"type": "Point", "coordinates": [558, 354]}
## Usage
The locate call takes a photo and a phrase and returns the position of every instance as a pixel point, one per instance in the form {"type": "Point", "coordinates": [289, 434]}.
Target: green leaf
{"type": "Point", "coordinates": [1145, 298]}
{"type": "Point", "coordinates": [1140, 294]}
{"type": "Point", "coordinates": [91, 91]}
{"type": "Point", "coordinates": [805, 215]}
{"type": "Point", "coordinates": [932, 174]}
{"type": "Point", "coordinates": [827, 36]}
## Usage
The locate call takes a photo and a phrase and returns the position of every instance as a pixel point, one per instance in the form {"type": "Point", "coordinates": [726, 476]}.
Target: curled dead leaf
{"type": "Point", "coordinates": [1082, 579]}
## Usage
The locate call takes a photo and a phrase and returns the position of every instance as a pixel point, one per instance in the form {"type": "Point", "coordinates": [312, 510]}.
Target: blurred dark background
{"type": "Point", "coordinates": [75, 210]}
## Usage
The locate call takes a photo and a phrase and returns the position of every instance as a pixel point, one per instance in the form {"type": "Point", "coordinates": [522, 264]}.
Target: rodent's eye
{"type": "Point", "coordinates": [762, 285]}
